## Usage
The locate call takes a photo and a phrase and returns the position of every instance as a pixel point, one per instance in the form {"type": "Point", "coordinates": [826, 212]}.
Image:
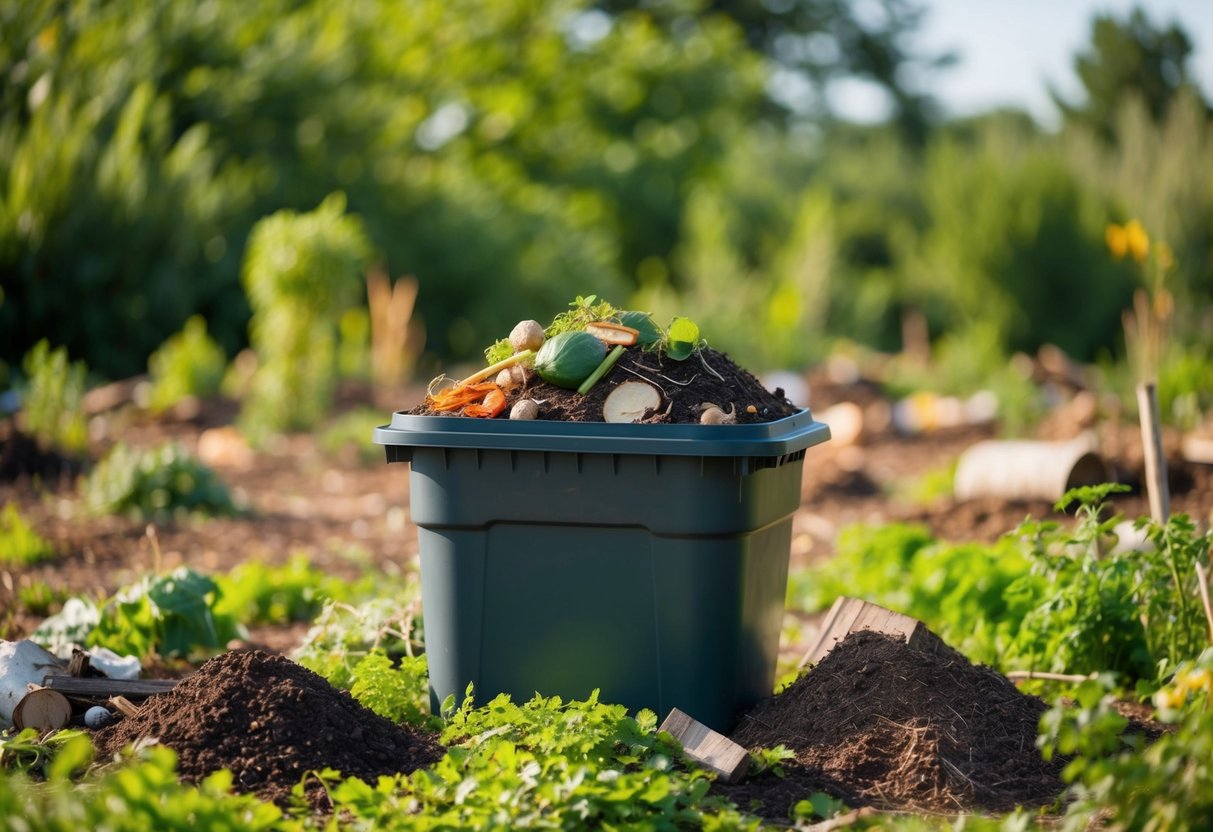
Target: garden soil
{"type": "Point", "coordinates": [270, 721]}
{"type": "Point", "coordinates": [707, 377]}
{"type": "Point", "coordinates": [878, 722]}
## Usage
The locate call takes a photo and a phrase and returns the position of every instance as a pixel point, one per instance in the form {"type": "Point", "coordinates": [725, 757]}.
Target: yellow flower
{"type": "Point", "coordinates": [1118, 242]}
{"type": "Point", "coordinates": [1137, 240]}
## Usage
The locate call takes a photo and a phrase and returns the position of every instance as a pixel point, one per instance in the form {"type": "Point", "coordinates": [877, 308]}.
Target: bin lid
{"type": "Point", "coordinates": [783, 436]}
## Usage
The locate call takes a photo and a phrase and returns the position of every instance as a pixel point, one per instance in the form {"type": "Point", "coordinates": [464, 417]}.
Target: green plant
{"type": "Point", "coordinates": [20, 543]}
{"type": "Point", "coordinates": [343, 635]}
{"type": "Point", "coordinates": [54, 398]}
{"type": "Point", "coordinates": [154, 483]}
{"type": "Point", "coordinates": [28, 751]}
{"type": "Point", "coordinates": [398, 691]}
{"type": "Point", "coordinates": [1133, 613]}
{"type": "Point", "coordinates": [301, 272]}
{"type": "Point", "coordinates": [189, 363]}
{"type": "Point", "coordinates": [41, 599]}
{"type": "Point", "coordinates": [255, 592]}
{"type": "Point", "coordinates": [175, 614]}
{"type": "Point", "coordinates": [1166, 786]}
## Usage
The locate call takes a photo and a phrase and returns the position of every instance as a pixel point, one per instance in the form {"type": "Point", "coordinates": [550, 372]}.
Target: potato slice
{"type": "Point", "coordinates": [630, 401]}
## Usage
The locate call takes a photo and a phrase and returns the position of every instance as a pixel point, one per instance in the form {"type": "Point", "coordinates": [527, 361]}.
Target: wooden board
{"type": "Point", "coordinates": [708, 748]}
{"type": "Point", "coordinates": [849, 615]}
{"type": "Point", "coordinates": [102, 689]}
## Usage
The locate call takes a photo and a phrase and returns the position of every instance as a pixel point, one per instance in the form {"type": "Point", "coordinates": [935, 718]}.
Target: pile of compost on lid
{"type": "Point", "coordinates": [881, 723]}
{"type": "Point", "coordinates": [270, 721]}
{"type": "Point", "coordinates": [706, 377]}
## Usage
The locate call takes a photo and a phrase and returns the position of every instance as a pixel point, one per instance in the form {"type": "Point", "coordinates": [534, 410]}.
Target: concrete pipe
{"type": "Point", "coordinates": [1029, 470]}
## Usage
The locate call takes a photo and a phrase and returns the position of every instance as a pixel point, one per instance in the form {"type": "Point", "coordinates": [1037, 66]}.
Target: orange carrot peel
{"type": "Point", "coordinates": [494, 403]}
{"type": "Point", "coordinates": [455, 398]}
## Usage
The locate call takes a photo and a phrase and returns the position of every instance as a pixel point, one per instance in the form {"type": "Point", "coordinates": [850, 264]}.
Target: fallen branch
{"type": "Point", "coordinates": [1052, 677]}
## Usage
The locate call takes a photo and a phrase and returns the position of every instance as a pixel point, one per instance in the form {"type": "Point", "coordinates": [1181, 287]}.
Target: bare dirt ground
{"type": "Point", "coordinates": [343, 514]}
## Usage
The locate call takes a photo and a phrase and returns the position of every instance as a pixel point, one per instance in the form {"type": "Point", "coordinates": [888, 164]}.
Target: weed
{"type": "Point", "coordinates": [20, 544]}
{"type": "Point", "coordinates": [54, 399]}
{"type": "Point", "coordinates": [154, 483]}
{"type": "Point", "coordinates": [189, 363]}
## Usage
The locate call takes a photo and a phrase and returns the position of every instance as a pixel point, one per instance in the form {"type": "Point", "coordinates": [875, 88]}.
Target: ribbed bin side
{"type": "Point", "coordinates": [658, 580]}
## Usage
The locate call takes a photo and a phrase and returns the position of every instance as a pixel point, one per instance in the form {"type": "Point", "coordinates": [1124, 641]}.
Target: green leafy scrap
{"type": "Point", "coordinates": [681, 339]}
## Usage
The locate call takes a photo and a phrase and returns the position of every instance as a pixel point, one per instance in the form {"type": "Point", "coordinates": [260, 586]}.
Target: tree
{"type": "Point", "coordinates": [812, 43]}
{"type": "Point", "coordinates": [1126, 57]}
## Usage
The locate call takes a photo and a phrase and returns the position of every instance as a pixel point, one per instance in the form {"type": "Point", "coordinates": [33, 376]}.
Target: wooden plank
{"type": "Point", "coordinates": [123, 705]}
{"type": "Point", "coordinates": [100, 688]}
{"type": "Point", "coordinates": [1156, 460]}
{"type": "Point", "coordinates": [706, 747]}
{"type": "Point", "coordinates": [849, 615]}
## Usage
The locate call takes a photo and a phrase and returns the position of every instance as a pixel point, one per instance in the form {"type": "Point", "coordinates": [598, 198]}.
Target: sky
{"type": "Point", "coordinates": [1011, 50]}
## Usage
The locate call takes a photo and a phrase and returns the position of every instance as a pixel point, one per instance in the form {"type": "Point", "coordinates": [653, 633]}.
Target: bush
{"type": "Point", "coordinates": [189, 363]}
{"type": "Point", "coordinates": [302, 271]}
{"type": "Point", "coordinates": [54, 399]}
{"type": "Point", "coordinates": [154, 483]}
{"type": "Point", "coordinates": [20, 544]}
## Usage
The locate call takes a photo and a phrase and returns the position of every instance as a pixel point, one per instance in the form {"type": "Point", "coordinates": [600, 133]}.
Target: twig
{"type": "Point", "coordinates": [1202, 583]}
{"type": "Point", "coordinates": [1052, 677]}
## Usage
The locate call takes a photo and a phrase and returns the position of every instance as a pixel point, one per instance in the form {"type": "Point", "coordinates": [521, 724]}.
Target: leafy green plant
{"type": "Point", "coordinates": [154, 483]}
{"type": "Point", "coordinates": [1165, 786]}
{"type": "Point", "coordinates": [145, 793]}
{"type": "Point", "coordinates": [301, 272]}
{"type": "Point", "coordinates": [343, 635]}
{"type": "Point", "coordinates": [350, 435]}
{"type": "Point", "coordinates": [20, 543]}
{"type": "Point", "coordinates": [189, 363]}
{"type": "Point", "coordinates": [398, 691]}
{"type": "Point", "coordinates": [54, 398]}
{"type": "Point", "coordinates": [40, 598]}
{"type": "Point", "coordinates": [175, 614]}
{"type": "Point", "coordinates": [255, 592]}
{"type": "Point", "coordinates": [1100, 609]}
{"type": "Point", "coordinates": [28, 751]}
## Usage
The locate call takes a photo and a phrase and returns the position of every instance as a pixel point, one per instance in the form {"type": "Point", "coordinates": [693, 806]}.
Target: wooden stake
{"type": "Point", "coordinates": [1052, 677]}
{"type": "Point", "coordinates": [1156, 460]}
{"type": "Point", "coordinates": [43, 709]}
{"type": "Point", "coordinates": [703, 745]}
{"type": "Point", "coordinates": [1202, 584]}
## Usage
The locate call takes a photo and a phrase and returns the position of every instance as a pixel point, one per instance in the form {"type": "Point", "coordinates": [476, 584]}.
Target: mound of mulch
{"type": "Point", "coordinates": [707, 376]}
{"type": "Point", "coordinates": [881, 723]}
{"type": "Point", "coordinates": [270, 721]}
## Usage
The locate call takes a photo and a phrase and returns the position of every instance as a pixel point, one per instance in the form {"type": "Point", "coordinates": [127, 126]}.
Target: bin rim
{"type": "Point", "coordinates": [764, 439]}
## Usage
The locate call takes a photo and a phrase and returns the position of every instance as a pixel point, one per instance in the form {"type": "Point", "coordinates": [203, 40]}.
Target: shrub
{"type": "Point", "coordinates": [54, 398]}
{"type": "Point", "coordinates": [189, 363]}
{"type": "Point", "coordinates": [20, 544]}
{"type": "Point", "coordinates": [302, 271]}
{"type": "Point", "coordinates": [152, 483]}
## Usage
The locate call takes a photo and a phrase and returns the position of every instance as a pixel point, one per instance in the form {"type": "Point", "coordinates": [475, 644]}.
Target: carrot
{"type": "Point", "coordinates": [494, 403]}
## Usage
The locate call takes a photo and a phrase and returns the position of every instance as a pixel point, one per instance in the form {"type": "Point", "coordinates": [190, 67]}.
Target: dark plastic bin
{"type": "Point", "coordinates": [649, 561]}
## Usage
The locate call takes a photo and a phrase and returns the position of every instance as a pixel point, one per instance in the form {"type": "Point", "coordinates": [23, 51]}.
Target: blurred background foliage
{"type": "Point", "coordinates": [674, 155]}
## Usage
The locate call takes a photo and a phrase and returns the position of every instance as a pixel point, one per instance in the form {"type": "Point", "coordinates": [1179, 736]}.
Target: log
{"type": "Point", "coordinates": [104, 689]}
{"type": "Point", "coordinates": [849, 615]}
{"type": "Point", "coordinates": [42, 709]}
{"type": "Point", "coordinates": [22, 663]}
{"type": "Point", "coordinates": [1028, 470]}
{"type": "Point", "coordinates": [706, 747]}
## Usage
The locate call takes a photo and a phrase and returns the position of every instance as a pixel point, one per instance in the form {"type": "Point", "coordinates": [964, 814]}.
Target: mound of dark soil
{"type": "Point", "coordinates": [707, 376]}
{"type": "Point", "coordinates": [898, 727]}
{"type": "Point", "coordinates": [270, 721]}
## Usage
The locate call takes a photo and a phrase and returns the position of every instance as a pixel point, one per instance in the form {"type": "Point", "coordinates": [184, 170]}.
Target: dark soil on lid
{"type": "Point", "coordinates": [707, 376]}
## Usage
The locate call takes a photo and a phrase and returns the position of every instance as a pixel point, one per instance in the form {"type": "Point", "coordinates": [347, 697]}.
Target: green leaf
{"type": "Point", "coordinates": [682, 337]}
